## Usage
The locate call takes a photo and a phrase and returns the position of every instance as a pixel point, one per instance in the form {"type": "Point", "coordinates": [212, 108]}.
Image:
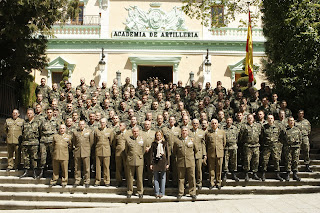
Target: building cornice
{"type": "Point", "coordinates": [124, 45]}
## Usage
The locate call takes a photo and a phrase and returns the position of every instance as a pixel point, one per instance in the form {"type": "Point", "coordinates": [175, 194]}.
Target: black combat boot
{"type": "Point", "coordinates": [255, 176]}
{"type": "Point", "coordinates": [25, 174]}
{"type": "Point", "coordinates": [41, 174]}
{"type": "Point", "coordinates": [308, 169]}
{"type": "Point", "coordinates": [263, 178]}
{"type": "Point", "coordinates": [295, 176]}
{"type": "Point", "coordinates": [287, 178]}
{"type": "Point", "coordinates": [34, 174]}
{"type": "Point", "coordinates": [234, 177]}
{"type": "Point", "coordinates": [246, 177]}
{"type": "Point", "coordinates": [224, 178]}
{"type": "Point", "coordinates": [278, 177]}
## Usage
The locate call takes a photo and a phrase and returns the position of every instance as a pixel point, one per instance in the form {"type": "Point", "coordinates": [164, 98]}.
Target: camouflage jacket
{"type": "Point", "coordinates": [47, 129]}
{"type": "Point", "coordinates": [304, 126]}
{"type": "Point", "coordinates": [30, 134]}
{"type": "Point", "coordinates": [232, 136]}
{"type": "Point", "coordinates": [250, 135]}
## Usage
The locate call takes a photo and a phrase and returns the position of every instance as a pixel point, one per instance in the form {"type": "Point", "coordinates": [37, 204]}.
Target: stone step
{"type": "Point", "coordinates": [32, 205]}
{"type": "Point", "coordinates": [314, 151]}
{"type": "Point", "coordinates": [271, 175]}
{"type": "Point", "coordinates": [315, 145]}
{"type": "Point", "coordinates": [269, 182]}
{"type": "Point", "coordinates": [3, 154]}
{"type": "Point", "coordinates": [314, 156]}
{"type": "Point", "coordinates": [3, 166]}
{"type": "Point", "coordinates": [48, 174]}
{"type": "Point", "coordinates": [81, 194]}
{"type": "Point", "coordinates": [313, 162]}
{"type": "Point", "coordinates": [3, 147]}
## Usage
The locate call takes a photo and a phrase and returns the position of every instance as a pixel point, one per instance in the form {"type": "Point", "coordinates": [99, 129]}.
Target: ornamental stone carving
{"type": "Point", "coordinates": [155, 19]}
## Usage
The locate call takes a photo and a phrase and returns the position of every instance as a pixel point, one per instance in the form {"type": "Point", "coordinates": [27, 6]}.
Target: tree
{"type": "Point", "coordinates": [65, 75]}
{"type": "Point", "coordinates": [25, 26]}
{"type": "Point", "coordinates": [291, 28]}
{"type": "Point", "coordinates": [207, 11]}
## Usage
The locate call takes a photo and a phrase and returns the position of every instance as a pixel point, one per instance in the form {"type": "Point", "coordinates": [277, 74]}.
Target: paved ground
{"type": "Point", "coordinates": [299, 203]}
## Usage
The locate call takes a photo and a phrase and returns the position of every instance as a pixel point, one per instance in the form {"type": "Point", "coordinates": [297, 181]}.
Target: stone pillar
{"type": "Point", "coordinates": [70, 76]}
{"type": "Point", "coordinates": [134, 74]}
{"type": "Point", "coordinates": [119, 77]}
{"type": "Point", "coordinates": [191, 77]}
{"type": "Point", "coordinates": [104, 21]}
{"type": "Point", "coordinates": [233, 77]}
{"type": "Point", "coordinates": [49, 78]}
{"type": "Point", "coordinates": [175, 73]}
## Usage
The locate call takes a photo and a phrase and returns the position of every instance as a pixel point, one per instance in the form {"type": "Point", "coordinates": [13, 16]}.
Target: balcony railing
{"type": "Point", "coordinates": [76, 31]}
{"type": "Point", "coordinates": [225, 33]}
{"type": "Point", "coordinates": [85, 20]}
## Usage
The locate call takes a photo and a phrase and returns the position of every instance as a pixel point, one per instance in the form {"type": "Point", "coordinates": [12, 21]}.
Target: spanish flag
{"type": "Point", "coordinates": [249, 54]}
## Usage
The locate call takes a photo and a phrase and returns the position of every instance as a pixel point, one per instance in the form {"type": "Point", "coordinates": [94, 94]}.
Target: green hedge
{"type": "Point", "coordinates": [27, 91]}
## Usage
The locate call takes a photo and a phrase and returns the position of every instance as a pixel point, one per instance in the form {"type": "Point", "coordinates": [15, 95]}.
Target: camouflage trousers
{"type": "Point", "coordinates": [230, 160]}
{"type": "Point", "coordinates": [305, 149]}
{"type": "Point", "coordinates": [275, 153]}
{"type": "Point", "coordinates": [291, 156]}
{"type": "Point", "coordinates": [46, 151]}
{"type": "Point", "coordinates": [251, 158]}
{"type": "Point", "coordinates": [30, 156]}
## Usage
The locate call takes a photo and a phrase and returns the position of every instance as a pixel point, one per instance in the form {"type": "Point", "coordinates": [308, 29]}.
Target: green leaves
{"type": "Point", "coordinates": [24, 27]}
{"type": "Point", "coordinates": [291, 28]}
{"type": "Point", "coordinates": [205, 11]}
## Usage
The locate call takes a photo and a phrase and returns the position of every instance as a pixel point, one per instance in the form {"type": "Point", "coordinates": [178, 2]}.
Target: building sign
{"type": "Point", "coordinates": [155, 34]}
{"type": "Point", "coordinates": [155, 23]}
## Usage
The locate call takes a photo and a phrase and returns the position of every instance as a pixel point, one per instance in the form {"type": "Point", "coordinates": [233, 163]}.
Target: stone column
{"type": "Point", "coordinates": [175, 73]}
{"type": "Point", "coordinates": [104, 21]}
{"type": "Point", "coordinates": [233, 77]}
{"type": "Point", "coordinates": [118, 77]}
{"type": "Point", "coordinates": [134, 74]}
{"type": "Point", "coordinates": [49, 78]}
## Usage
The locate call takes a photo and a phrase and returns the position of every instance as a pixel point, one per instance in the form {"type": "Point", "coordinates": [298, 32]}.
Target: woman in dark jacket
{"type": "Point", "coordinates": [159, 163]}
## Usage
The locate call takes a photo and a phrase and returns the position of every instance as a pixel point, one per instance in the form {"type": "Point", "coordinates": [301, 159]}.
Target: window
{"type": "Point", "coordinates": [79, 19]}
{"type": "Point", "coordinates": [217, 15]}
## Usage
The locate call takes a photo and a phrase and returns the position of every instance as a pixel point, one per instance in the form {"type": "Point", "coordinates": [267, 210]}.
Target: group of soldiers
{"type": "Point", "coordinates": [207, 129]}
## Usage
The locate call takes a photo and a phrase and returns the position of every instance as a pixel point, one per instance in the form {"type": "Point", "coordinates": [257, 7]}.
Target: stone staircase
{"type": "Point", "coordinates": [29, 193]}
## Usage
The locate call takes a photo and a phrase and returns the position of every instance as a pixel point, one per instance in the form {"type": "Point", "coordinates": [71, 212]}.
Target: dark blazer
{"type": "Point", "coordinates": [159, 164]}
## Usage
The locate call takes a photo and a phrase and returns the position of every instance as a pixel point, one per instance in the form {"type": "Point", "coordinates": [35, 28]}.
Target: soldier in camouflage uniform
{"type": "Point", "coordinates": [43, 89]}
{"type": "Point", "coordinates": [48, 128]}
{"type": "Point", "coordinates": [41, 102]}
{"type": "Point", "coordinates": [292, 149]}
{"type": "Point", "coordinates": [30, 143]}
{"type": "Point", "coordinates": [305, 128]}
{"type": "Point", "coordinates": [272, 136]}
{"type": "Point", "coordinates": [249, 138]}
{"type": "Point", "coordinates": [54, 93]}
{"type": "Point", "coordinates": [230, 150]}
{"type": "Point", "coordinates": [13, 127]}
